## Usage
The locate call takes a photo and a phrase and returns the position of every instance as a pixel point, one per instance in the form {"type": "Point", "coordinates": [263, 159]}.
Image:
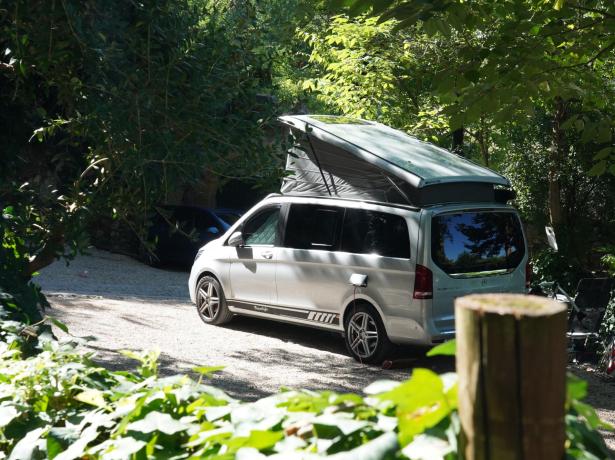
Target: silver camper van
{"type": "Point", "coordinates": [374, 234]}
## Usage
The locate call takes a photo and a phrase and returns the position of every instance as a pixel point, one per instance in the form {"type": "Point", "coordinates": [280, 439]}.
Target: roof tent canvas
{"type": "Point", "coordinates": [358, 159]}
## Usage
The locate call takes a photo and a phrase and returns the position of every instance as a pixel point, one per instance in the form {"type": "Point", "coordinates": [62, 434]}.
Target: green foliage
{"type": "Point", "coordinates": [361, 68]}
{"type": "Point", "coordinates": [59, 404]}
{"type": "Point", "coordinates": [548, 265]}
{"type": "Point", "coordinates": [607, 329]}
{"type": "Point", "coordinates": [20, 299]}
{"type": "Point", "coordinates": [109, 109]}
{"type": "Point", "coordinates": [608, 259]}
{"type": "Point", "coordinates": [447, 348]}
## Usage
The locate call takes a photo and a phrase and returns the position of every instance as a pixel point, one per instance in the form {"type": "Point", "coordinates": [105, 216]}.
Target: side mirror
{"type": "Point", "coordinates": [551, 238]}
{"type": "Point", "coordinates": [212, 230]}
{"type": "Point", "coordinates": [236, 239]}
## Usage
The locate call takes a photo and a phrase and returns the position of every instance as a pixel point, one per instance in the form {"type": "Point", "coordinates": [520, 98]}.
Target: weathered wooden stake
{"type": "Point", "coordinates": [511, 361]}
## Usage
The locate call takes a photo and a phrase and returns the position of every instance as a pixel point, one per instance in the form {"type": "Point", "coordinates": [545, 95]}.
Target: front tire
{"type": "Point", "coordinates": [365, 336]}
{"type": "Point", "coordinates": [211, 303]}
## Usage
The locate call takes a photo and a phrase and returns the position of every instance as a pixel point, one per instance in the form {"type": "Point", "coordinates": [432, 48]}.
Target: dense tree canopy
{"type": "Point", "coordinates": [114, 107]}
{"type": "Point", "coordinates": [111, 108]}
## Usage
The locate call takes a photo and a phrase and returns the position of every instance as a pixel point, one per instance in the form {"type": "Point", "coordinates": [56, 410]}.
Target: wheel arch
{"type": "Point", "coordinates": [362, 300]}
{"type": "Point", "coordinates": [208, 272]}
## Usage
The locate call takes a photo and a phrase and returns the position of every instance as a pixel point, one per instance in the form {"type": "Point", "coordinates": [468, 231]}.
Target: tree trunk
{"type": "Point", "coordinates": [457, 145]}
{"type": "Point", "coordinates": [511, 362]}
{"type": "Point", "coordinates": [558, 152]}
{"type": "Point", "coordinates": [482, 142]}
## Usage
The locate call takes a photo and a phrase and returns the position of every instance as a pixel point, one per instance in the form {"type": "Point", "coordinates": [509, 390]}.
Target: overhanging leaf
{"type": "Point", "coordinates": [444, 349]}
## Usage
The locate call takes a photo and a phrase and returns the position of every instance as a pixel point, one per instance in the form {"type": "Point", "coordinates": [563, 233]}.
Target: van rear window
{"type": "Point", "coordinates": [475, 243]}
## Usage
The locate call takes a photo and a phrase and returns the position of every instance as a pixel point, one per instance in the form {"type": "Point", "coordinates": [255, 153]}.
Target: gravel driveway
{"type": "Point", "coordinates": [119, 303]}
{"type": "Point", "coordinates": [123, 304]}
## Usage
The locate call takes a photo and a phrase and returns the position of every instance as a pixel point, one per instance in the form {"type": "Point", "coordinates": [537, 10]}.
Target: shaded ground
{"type": "Point", "coordinates": [123, 304]}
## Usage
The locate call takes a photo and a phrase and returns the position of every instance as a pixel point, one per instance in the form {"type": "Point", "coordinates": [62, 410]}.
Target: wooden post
{"type": "Point", "coordinates": [511, 361]}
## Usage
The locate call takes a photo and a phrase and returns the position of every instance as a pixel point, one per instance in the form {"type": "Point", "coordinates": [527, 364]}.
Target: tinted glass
{"type": "Point", "coordinates": [262, 229]}
{"type": "Point", "coordinates": [313, 227]}
{"type": "Point", "coordinates": [371, 232]}
{"type": "Point", "coordinates": [477, 242]}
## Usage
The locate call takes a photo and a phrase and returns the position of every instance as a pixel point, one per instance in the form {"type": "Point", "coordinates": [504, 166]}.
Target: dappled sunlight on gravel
{"type": "Point", "coordinates": [118, 303]}
{"type": "Point", "coordinates": [115, 303]}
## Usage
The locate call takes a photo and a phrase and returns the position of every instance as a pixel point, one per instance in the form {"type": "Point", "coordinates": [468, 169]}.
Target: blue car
{"type": "Point", "coordinates": [177, 232]}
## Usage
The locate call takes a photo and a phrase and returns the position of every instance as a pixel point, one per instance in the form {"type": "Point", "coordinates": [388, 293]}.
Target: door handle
{"type": "Point", "coordinates": [267, 254]}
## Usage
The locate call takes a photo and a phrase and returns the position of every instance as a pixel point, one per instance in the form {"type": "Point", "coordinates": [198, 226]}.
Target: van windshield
{"type": "Point", "coordinates": [477, 243]}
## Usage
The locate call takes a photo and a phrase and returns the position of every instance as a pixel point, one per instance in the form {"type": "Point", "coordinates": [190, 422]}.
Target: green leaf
{"type": "Point", "coordinates": [421, 403]}
{"type": "Point", "coordinates": [330, 426]}
{"type": "Point", "coordinates": [444, 349]}
{"type": "Point", "coordinates": [425, 446]}
{"type": "Point", "coordinates": [558, 4]}
{"type": "Point", "coordinates": [121, 448]}
{"type": "Point", "coordinates": [25, 448]}
{"type": "Point", "coordinates": [7, 414]}
{"type": "Point", "coordinates": [603, 153]}
{"type": "Point", "coordinates": [377, 449]}
{"type": "Point", "coordinates": [381, 386]}
{"type": "Point", "coordinates": [263, 440]}
{"type": "Point", "coordinates": [59, 324]}
{"type": "Point", "coordinates": [207, 370]}
{"type": "Point", "coordinates": [158, 421]}
{"type": "Point", "coordinates": [93, 397]}
{"type": "Point", "coordinates": [576, 388]}
{"type": "Point", "coordinates": [598, 169]}
{"type": "Point", "coordinates": [54, 447]}
{"type": "Point", "coordinates": [590, 414]}
{"type": "Point", "coordinates": [569, 122]}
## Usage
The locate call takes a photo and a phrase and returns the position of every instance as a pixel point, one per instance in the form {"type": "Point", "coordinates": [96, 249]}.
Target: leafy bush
{"type": "Point", "coordinates": [58, 404]}
{"type": "Point", "coordinates": [21, 299]}
{"type": "Point", "coordinates": [607, 332]}
{"type": "Point", "coordinates": [608, 259]}
{"type": "Point", "coordinates": [548, 265]}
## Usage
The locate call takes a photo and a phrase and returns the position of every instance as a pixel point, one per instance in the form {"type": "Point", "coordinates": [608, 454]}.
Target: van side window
{"type": "Point", "coordinates": [372, 232]}
{"type": "Point", "coordinates": [313, 227]}
{"type": "Point", "coordinates": [263, 228]}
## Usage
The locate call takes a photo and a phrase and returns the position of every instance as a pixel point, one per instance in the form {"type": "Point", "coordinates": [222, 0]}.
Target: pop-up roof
{"type": "Point", "coordinates": [355, 158]}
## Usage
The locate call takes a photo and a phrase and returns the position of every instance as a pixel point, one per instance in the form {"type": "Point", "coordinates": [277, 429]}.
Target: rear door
{"type": "Point", "coordinates": [474, 251]}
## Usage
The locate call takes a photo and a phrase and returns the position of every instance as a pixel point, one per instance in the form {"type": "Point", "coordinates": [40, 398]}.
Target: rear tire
{"type": "Point", "coordinates": [211, 302]}
{"type": "Point", "coordinates": [365, 336]}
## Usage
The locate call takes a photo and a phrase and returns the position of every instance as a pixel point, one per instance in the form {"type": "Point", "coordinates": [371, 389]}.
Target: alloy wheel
{"type": "Point", "coordinates": [362, 334]}
{"type": "Point", "coordinates": [208, 301]}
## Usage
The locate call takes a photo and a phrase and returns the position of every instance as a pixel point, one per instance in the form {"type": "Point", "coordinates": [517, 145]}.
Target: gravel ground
{"type": "Point", "coordinates": [123, 304]}
{"type": "Point", "coordinates": [118, 303]}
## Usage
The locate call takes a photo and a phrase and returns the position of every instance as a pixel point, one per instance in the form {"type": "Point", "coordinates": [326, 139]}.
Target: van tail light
{"type": "Point", "coordinates": [423, 283]}
{"type": "Point", "coordinates": [528, 274]}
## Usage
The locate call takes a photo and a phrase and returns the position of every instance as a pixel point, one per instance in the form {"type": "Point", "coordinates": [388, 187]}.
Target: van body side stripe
{"type": "Point", "coordinates": [310, 315]}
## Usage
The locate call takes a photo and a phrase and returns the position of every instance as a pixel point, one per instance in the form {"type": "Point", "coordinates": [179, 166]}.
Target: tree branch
{"type": "Point", "coordinates": [606, 14]}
